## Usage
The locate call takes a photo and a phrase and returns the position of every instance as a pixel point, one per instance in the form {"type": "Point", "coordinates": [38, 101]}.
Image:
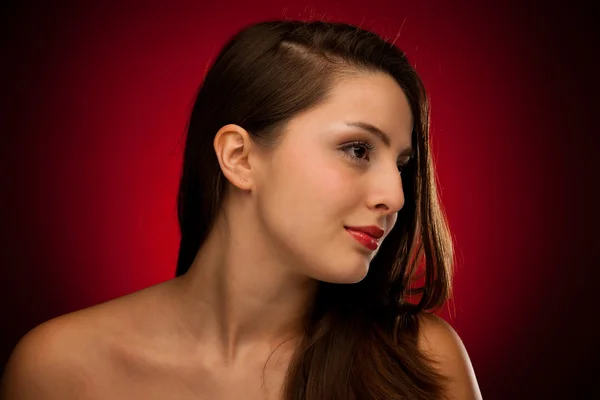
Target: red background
{"type": "Point", "coordinates": [98, 101]}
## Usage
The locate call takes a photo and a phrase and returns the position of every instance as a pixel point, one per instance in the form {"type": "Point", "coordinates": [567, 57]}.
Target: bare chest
{"type": "Point", "coordinates": [183, 381]}
{"type": "Point", "coordinates": [177, 388]}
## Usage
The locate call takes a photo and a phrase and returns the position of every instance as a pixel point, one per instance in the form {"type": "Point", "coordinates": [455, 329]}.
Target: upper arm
{"type": "Point", "coordinates": [43, 366]}
{"type": "Point", "coordinates": [441, 343]}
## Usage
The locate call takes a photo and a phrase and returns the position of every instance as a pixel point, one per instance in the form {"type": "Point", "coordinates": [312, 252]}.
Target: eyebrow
{"type": "Point", "coordinates": [384, 137]}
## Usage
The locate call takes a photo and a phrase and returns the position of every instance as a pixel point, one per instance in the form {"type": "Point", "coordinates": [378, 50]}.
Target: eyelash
{"type": "Point", "coordinates": [370, 148]}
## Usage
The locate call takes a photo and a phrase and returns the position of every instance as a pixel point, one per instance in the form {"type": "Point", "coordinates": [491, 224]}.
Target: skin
{"type": "Point", "coordinates": [236, 314]}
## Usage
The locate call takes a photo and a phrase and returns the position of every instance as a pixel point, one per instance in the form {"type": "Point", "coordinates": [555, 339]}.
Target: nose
{"type": "Point", "coordinates": [387, 193]}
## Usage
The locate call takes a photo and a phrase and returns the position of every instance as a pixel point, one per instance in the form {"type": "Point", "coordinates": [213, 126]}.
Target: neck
{"type": "Point", "coordinates": [237, 296]}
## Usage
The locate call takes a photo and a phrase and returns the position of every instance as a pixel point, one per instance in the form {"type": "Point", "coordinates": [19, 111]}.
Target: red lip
{"type": "Point", "coordinates": [373, 231]}
{"type": "Point", "coordinates": [365, 239]}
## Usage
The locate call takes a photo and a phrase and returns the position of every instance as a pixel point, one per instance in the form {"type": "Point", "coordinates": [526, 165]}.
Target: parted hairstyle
{"type": "Point", "coordinates": [360, 340]}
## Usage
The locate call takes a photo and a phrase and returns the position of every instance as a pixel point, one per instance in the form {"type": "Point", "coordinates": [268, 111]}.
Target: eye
{"type": "Point", "coordinates": [357, 151]}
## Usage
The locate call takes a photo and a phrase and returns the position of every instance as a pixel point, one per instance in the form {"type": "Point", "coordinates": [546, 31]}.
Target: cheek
{"type": "Point", "coordinates": [319, 185]}
{"type": "Point", "coordinates": [310, 190]}
{"type": "Point", "coordinates": [305, 205]}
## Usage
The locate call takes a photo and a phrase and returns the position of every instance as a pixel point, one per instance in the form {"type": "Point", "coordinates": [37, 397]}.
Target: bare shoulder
{"type": "Point", "coordinates": [49, 362]}
{"type": "Point", "coordinates": [67, 356]}
{"type": "Point", "coordinates": [440, 341]}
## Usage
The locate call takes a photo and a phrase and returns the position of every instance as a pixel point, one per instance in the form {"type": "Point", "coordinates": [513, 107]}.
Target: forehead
{"type": "Point", "coordinates": [374, 98]}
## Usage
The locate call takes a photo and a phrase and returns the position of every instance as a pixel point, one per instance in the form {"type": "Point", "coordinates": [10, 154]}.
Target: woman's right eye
{"type": "Point", "coordinates": [364, 148]}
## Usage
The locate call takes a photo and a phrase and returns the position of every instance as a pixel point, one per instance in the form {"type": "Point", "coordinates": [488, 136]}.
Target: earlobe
{"type": "Point", "coordinates": [232, 145]}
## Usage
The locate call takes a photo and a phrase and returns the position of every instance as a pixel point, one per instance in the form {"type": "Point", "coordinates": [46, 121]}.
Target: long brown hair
{"type": "Point", "coordinates": [360, 340]}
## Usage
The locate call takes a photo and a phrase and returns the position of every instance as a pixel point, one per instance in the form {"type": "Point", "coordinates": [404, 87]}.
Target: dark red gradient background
{"type": "Point", "coordinates": [98, 97]}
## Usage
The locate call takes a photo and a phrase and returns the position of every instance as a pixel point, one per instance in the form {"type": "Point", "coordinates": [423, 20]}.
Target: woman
{"type": "Point", "coordinates": [307, 203]}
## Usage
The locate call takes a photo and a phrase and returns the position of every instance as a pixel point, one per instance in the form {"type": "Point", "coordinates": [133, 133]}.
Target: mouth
{"type": "Point", "coordinates": [368, 241]}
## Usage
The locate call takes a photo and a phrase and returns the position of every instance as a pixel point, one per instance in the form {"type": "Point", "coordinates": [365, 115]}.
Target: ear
{"type": "Point", "coordinates": [232, 145]}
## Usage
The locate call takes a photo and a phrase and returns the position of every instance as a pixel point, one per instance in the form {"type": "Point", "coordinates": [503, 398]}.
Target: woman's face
{"type": "Point", "coordinates": [330, 172]}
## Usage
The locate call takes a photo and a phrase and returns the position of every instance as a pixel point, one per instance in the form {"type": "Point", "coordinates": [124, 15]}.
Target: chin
{"type": "Point", "coordinates": [345, 275]}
